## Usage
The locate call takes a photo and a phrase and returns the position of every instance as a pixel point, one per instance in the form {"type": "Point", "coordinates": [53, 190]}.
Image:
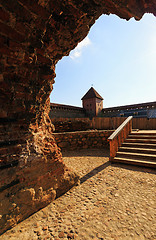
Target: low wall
{"type": "Point", "coordinates": [83, 139]}
{"type": "Point", "coordinates": [71, 125]}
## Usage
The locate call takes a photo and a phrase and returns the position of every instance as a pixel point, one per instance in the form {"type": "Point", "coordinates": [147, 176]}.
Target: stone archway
{"type": "Point", "coordinates": [34, 35]}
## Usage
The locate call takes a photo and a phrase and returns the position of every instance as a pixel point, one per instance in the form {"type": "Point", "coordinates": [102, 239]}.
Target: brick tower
{"type": "Point", "coordinates": [92, 102]}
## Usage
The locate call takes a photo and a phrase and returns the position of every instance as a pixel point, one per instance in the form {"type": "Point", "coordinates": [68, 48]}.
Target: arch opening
{"type": "Point", "coordinates": [34, 36]}
{"type": "Point", "coordinates": [118, 58]}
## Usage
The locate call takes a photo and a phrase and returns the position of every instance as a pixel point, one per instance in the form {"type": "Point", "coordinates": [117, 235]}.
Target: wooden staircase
{"type": "Point", "coordinates": [138, 149]}
{"type": "Point", "coordinates": [133, 147]}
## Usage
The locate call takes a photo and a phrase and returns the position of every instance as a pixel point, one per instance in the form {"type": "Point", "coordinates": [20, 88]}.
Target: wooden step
{"type": "Point", "coordinates": [147, 136]}
{"type": "Point", "coordinates": [143, 133]}
{"type": "Point", "coordinates": [139, 145]}
{"type": "Point", "coordinates": [138, 150]}
{"type": "Point", "coordinates": [139, 156]}
{"type": "Point", "coordinates": [129, 140]}
{"type": "Point", "coordinates": [134, 162]}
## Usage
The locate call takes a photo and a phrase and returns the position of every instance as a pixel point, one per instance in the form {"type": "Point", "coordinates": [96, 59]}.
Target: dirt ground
{"type": "Point", "coordinates": [112, 202]}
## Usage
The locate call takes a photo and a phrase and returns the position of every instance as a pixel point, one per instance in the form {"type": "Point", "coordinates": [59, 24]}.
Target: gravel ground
{"type": "Point", "coordinates": [112, 202]}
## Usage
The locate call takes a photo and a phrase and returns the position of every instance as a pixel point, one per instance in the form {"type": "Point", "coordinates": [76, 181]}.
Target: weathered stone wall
{"type": "Point", "coordinates": [71, 125]}
{"type": "Point", "coordinates": [83, 139]}
{"type": "Point", "coordinates": [34, 36]}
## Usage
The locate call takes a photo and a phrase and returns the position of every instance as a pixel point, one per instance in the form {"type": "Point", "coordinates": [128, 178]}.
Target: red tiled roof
{"type": "Point", "coordinates": [92, 93]}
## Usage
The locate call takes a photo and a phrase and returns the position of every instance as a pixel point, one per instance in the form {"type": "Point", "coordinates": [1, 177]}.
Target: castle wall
{"type": "Point", "coordinates": [62, 111]}
{"type": "Point", "coordinates": [140, 110]}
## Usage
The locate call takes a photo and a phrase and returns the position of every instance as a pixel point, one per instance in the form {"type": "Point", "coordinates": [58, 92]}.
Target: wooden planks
{"type": "Point", "coordinates": [118, 136]}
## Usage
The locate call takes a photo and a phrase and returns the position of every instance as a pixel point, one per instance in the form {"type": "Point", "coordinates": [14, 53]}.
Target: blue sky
{"type": "Point", "coordinates": [118, 57]}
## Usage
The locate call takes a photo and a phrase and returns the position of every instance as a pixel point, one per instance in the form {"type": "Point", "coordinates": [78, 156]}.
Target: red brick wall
{"type": "Point", "coordinates": [90, 105]}
{"type": "Point", "coordinates": [99, 106]}
{"type": "Point", "coordinates": [93, 105]}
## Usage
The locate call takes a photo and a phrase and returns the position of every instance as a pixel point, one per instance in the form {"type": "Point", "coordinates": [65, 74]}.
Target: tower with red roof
{"type": "Point", "coordinates": [92, 102]}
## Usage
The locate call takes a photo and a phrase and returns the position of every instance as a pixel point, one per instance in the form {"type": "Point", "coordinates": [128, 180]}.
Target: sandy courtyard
{"type": "Point", "coordinates": [112, 202]}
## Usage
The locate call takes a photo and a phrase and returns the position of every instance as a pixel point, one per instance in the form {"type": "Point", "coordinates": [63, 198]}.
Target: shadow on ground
{"type": "Point", "coordinates": [94, 172]}
{"type": "Point", "coordinates": [134, 168]}
{"type": "Point", "coordinates": [88, 153]}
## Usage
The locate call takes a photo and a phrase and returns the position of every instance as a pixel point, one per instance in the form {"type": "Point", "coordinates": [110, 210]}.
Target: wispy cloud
{"type": "Point", "coordinates": [77, 52]}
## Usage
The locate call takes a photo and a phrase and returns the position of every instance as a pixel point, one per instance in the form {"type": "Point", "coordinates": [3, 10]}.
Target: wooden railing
{"type": "Point", "coordinates": [118, 137]}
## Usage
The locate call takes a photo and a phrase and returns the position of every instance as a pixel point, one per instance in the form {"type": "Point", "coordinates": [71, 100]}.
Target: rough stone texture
{"type": "Point", "coordinates": [83, 139]}
{"type": "Point", "coordinates": [34, 35]}
{"type": "Point", "coordinates": [71, 125]}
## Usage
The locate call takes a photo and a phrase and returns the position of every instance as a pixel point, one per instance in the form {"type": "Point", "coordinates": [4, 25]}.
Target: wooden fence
{"type": "Point", "coordinates": [102, 123]}
{"type": "Point", "coordinates": [106, 123]}
{"type": "Point", "coordinates": [144, 123]}
{"type": "Point", "coordinates": [115, 122]}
